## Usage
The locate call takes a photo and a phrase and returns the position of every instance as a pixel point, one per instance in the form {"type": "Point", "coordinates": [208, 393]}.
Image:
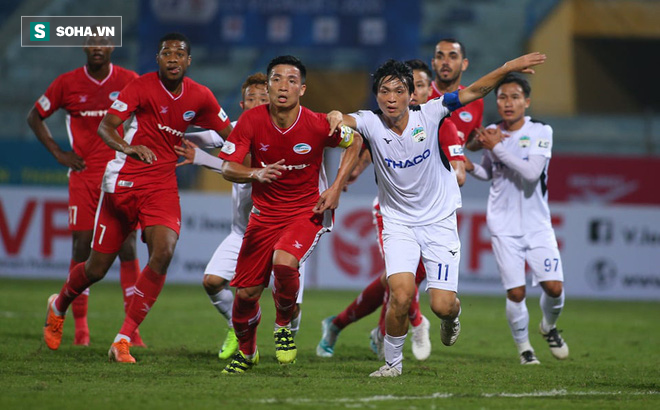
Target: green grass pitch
{"type": "Point", "coordinates": [614, 358]}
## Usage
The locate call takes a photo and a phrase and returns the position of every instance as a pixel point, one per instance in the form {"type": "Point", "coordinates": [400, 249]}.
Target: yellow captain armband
{"type": "Point", "coordinates": [346, 136]}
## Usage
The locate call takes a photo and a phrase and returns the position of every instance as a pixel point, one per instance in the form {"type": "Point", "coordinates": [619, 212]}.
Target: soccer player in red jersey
{"type": "Point", "coordinates": [86, 93]}
{"type": "Point", "coordinates": [449, 62]}
{"type": "Point", "coordinates": [285, 142]}
{"type": "Point", "coordinates": [377, 292]}
{"type": "Point", "coordinates": [139, 185]}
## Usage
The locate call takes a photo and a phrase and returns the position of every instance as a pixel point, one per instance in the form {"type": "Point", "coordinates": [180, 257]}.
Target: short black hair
{"type": "Point", "coordinates": [288, 60]}
{"type": "Point", "coordinates": [175, 37]}
{"type": "Point", "coordinates": [518, 79]}
{"type": "Point", "coordinates": [453, 40]}
{"type": "Point", "coordinates": [417, 64]}
{"type": "Point", "coordinates": [395, 69]}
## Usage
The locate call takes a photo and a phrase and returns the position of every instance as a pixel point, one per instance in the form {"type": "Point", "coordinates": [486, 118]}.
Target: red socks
{"type": "Point", "coordinates": [128, 274]}
{"type": "Point", "coordinates": [75, 284]}
{"type": "Point", "coordinates": [367, 302]}
{"type": "Point", "coordinates": [147, 289]}
{"type": "Point", "coordinates": [285, 293]}
{"type": "Point", "coordinates": [246, 315]}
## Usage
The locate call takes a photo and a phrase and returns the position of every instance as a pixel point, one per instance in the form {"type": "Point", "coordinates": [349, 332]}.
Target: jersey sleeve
{"type": "Point", "coordinates": [541, 143]}
{"type": "Point", "coordinates": [239, 141]}
{"type": "Point", "coordinates": [436, 110]}
{"type": "Point", "coordinates": [127, 102]}
{"type": "Point", "coordinates": [212, 116]}
{"type": "Point", "coordinates": [363, 120]}
{"type": "Point", "coordinates": [52, 99]}
{"type": "Point", "coordinates": [450, 141]}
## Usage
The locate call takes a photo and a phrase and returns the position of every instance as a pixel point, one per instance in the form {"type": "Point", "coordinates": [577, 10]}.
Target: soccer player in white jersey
{"type": "Point", "coordinates": [222, 267]}
{"type": "Point", "coordinates": [418, 195]}
{"type": "Point", "coordinates": [518, 151]}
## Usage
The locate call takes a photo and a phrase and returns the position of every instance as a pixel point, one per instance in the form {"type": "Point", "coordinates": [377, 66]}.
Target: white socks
{"type": "Point", "coordinates": [120, 336]}
{"type": "Point", "coordinates": [551, 308]}
{"type": "Point", "coordinates": [394, 350]}
{"type": "Point", "coordinates": [223, 302]}
{"type": "Point", "coordinates": [518, 317]}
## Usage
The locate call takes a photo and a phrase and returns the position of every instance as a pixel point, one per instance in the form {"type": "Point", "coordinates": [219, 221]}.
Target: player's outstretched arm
{"type": "Point", "coordinates": [487, 83]}
{"type": "Point", "coordinates": [236, 172]}
{"type": "Point", "coordinates": [329, 199]}
{"type": "Point", "coordinates": [336, 119]}
{"type": "Point", "coordinates": [108, 132]}
{"type": "Point", "coordinates": [67, 158]}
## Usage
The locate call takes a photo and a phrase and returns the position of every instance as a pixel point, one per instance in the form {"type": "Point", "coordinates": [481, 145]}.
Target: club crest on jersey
{"type": "Point", "coordinates": [302, 148]}
{"type": "Point", "coordinates": [119, 105]}
{"type": "Point", "coordinates": [465, 116]}
{"type": "Point", "coordinates": [419, 134]}
{"type": "Point", "coordinates": [113, 95]}
{"type": "Point", "coordinates": [524, 141]}
{"type": "Point", "coordinates": [188, 115]}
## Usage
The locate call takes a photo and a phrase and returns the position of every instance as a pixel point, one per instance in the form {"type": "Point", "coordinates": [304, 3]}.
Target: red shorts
{"type": "Point", "coordinates": [297, 236]}
{"type": "Point", "coordinates": [420, 275]}
{"type": "Point", "coordinates": [84, 193]}
{"type": "Point", "coordinates": [119, 214]}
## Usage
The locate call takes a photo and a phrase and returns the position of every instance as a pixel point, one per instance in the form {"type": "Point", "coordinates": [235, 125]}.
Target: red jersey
{"type": "Point", "coordinates": [450, 142]}
{"type": "Point", "coordinates": [161, 120]}
{"type": "Point", "coordinates": [86, 101]}
{"type": "Point", "coordinates": [301, 146]}
{"type": "Point", "coordinates": [467, 118]}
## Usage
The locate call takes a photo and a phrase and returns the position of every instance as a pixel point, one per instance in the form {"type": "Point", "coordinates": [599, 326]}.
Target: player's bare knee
{"type": "Point", "coordinates": [445, 305]}
{"type": "Point", "coordinates": [552, 288]}
{"type": "Point", "coordinates": [400, 301]}
{"type": "Point", "coordinates": [213, 284]}
{"type": "Point", "coordinates": [516, 294]}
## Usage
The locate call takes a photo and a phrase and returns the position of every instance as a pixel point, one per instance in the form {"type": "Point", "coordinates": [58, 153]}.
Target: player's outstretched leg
{"type": "Point", "coordinates": [53, 325]}
{"type": "Point", "coordinates": [329, 333]}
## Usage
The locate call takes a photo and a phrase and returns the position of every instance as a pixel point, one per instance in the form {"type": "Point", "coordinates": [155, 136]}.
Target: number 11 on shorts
{"type": "Point", "coordinates": [440, 265]}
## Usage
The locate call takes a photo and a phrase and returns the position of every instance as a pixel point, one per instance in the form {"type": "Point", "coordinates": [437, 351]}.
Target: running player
{"type": "Point", "coordinates": [518, 216]}
{"type": "Point", "coordinates": [139, 185]}
{"type": "Point", "coordinates": [376, 293]}
{"type": "Point", "coordinates": [285, 142]}
{"type": "Point", "coordinates": [449, 62]}
{"type": "Point", "coordinates": [86, 93]}
{"type": "Point", "coordinates": [419, 214]}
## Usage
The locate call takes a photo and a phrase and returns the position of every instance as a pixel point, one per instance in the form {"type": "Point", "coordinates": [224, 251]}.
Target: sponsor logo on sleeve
{"type": "Point", "coordinates": [544, 144]}
{"type": "Point", "coordinates": [228, 148]}
{"type": "Point", "coordinates": [223, 115]}
{"type": "Point", "coordinates": [44, 102]}
{"type": "Point", "coordinates": [119, 106]}
{"type": "Point", "coordinates": [456, 150]}
{"type": "Point", "coordinates": [465, 116]}
{"type": "Point", "coordinates": [188, 115]}
{"type": "Point", "coordinates": [302, 148]}
{"type": "Point", "coordinates": [113, 95]}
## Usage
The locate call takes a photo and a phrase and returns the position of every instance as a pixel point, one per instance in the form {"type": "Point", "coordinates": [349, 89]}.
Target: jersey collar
{"type": "Point", "coordinates": [94, 80]}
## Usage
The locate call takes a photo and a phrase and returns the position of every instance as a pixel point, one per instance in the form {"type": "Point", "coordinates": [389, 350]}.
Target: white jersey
{"type": "Point", "coordinates": [515, 206]}
{"type": "Point", "coordinates": [416, 184]}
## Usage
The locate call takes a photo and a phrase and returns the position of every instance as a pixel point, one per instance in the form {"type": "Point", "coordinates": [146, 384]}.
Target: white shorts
{"type": "Point", "coordinates": [540, 251]}
{"type": "Point", "coordinates": [223, 261]}
{"type": "Point", "coordinates": [437, 245]}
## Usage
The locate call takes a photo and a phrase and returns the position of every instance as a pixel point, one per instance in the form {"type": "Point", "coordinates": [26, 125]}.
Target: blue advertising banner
{"type": "Point", "coordinates": [377, 29]}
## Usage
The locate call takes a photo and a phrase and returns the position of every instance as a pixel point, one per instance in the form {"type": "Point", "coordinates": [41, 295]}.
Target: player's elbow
{"type": "Point", "coordinates": [33, 117]}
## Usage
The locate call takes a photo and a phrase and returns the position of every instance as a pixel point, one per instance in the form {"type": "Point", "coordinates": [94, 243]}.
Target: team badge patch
{"type": "Point", "coordinates": [524, 141]}
{"type": "Point", "coordinates": [113, 95]}
{"type": "Point", "coordinates": [223, 115]}
{"type": "Point", "coordinates": [419, 134]}
{"type": "Point", "coordinates": [228, 148]}
{"type": "Point", "coordinates": [44, 102]}
{"type": "Point", "coordinates": [465, 116]}
{"type": "Point", "coordinates": [302, 148]}
{"type": "Point", "coordinates": [188, 115]}
{"type": "Point", "coordinates": [119, 106]}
